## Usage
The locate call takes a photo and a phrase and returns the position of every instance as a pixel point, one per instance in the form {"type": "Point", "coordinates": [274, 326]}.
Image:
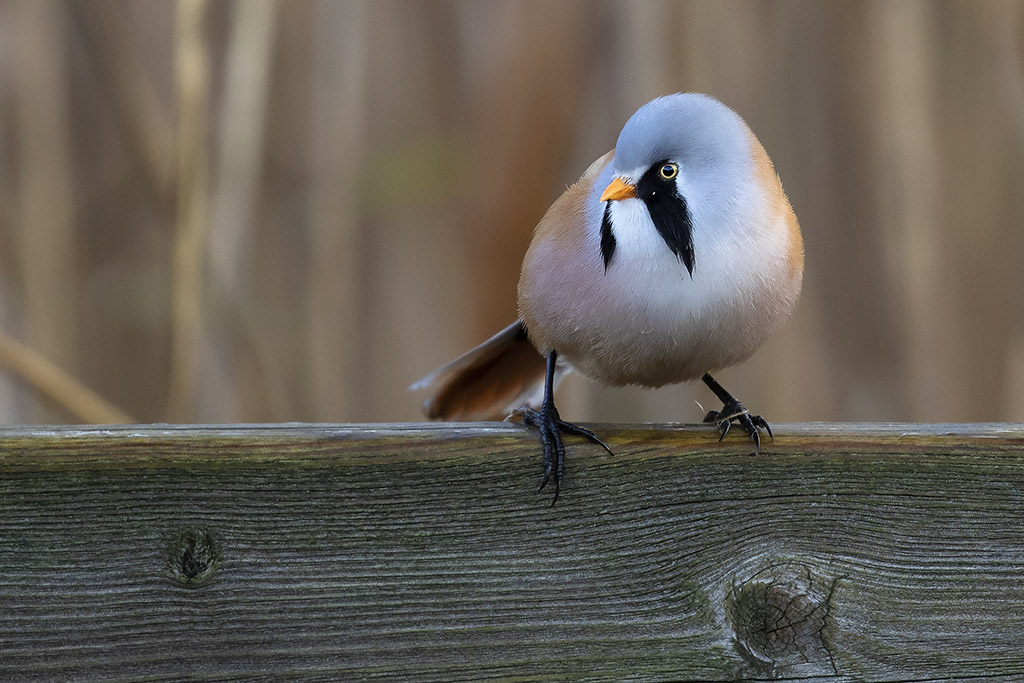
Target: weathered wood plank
{"type": "Point", "coordinates": [843, 552]}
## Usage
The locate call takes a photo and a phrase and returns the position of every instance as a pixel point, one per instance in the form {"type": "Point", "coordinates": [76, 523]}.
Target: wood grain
{"type": "Point", "coordinates": [424, 552]}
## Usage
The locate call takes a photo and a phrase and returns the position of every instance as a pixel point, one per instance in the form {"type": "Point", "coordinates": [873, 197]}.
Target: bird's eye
{"type": "Point", "coordinates": [669, 171]}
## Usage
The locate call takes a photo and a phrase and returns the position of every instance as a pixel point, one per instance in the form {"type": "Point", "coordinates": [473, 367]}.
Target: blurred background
{"type": "Point", "coordinates": [259, 210]}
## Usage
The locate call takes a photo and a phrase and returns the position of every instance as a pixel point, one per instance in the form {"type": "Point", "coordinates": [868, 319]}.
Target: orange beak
{"type": "Point", "coordinates": [618, 189]}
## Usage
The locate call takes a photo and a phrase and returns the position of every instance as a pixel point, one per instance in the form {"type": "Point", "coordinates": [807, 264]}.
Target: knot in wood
{"type": "Point", "coordinates": [193, 557]}
{"type": "Point", "coordinates": [780, 617]}
{"type": "Point", "coordinates": [774, 622]}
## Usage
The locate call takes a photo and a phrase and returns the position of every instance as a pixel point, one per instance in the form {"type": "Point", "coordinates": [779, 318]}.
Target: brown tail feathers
{"type": "Point", "coordinates": [488, 382]}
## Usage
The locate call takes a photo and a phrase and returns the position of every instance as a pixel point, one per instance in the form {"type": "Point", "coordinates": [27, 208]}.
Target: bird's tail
{"type": "Point", "coordinates": [488, 382]}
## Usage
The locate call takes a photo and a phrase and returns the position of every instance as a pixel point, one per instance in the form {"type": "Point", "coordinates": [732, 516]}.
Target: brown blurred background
{"type": "Point", "coordinates": [259, 210]}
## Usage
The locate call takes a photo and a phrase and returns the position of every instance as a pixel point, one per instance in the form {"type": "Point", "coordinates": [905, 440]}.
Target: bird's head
{"type": "Point", "coordinates": [682, 156]}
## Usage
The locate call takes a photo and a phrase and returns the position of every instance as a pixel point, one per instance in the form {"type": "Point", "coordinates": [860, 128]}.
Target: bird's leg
{"type": "Point", "coordinates": [551, 427]}
{"type": "Point", "coordinates": [734, 411]}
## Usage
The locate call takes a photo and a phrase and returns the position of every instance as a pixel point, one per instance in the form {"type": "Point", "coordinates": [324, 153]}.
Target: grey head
{"type": "Point", "coordinates": [676, 151]}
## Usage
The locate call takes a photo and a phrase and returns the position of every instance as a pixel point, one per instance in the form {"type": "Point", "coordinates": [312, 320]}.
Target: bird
{"type": "Point", "coordinates": [675, 255]}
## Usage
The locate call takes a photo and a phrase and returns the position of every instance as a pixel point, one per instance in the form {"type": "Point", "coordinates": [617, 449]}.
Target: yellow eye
{"type": "Point", "coordinates": [669, 171]}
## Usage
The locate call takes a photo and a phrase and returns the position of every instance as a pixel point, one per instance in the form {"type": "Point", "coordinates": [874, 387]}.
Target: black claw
{"type": "Point", "coordinates": [551, 428]}
{"type": "Point", "coordinates": [756, 438]}
{"type": "Point", "coordinates": [570, 428]}
{"type": "Point", "coordinates": [734, 411]}
{"type": "Point", "coordinates": [723, 428]}
{"type": "Point", "coordinates": [544, 481]}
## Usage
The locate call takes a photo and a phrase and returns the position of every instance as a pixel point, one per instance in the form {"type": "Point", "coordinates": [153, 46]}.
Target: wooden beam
{"type": "Point", "coordinates": [425, 552]}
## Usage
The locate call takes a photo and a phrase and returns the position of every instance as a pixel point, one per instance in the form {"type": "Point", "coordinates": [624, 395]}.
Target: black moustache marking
{"type": "Point", "coordinates": [607, 238]}
{"type": "Point", "coordinates": [669, 213]}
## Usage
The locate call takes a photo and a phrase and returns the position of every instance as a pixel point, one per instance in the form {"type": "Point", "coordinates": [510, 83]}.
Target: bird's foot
{"type": "Point", "coordinates": [551, 427]}
{"type": "Point", "coordinates": [734, 411]}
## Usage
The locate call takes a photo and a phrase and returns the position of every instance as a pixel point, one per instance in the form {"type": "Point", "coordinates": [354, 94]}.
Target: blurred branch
{"type": "Point", "coordinates": [241, 149]}
{"type": "Point", "coordinates": [58, 385]}
{"type": "Point", "coordinates": [192, 67]}
{"type": "Point", "coordinates": [45, 234]}
{"type": "Point", "coordinates": [133, 91]}
{"type": "Point", "coordinates": [235, 200]}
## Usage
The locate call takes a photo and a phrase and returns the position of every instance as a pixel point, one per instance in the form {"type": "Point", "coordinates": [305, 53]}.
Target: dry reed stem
{"type": "Point", "coordinates": [134, 92]}
{"type": "Point", "coordinates": [192, 70]}
{"type": "Point", "coordinates": [242, 141]}
{"type": "Point", "coordinates": [235, 204]}
{"type": "Point", "coordinates": [57, 385]}
{"type": "Point", "coordinates": [46, 238]}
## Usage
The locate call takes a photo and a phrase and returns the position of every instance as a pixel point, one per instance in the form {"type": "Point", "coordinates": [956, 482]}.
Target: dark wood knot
{"type": "Point", "coordinates": [780, 616]}
{"type": "Point", "coordinates": [193, 557]}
